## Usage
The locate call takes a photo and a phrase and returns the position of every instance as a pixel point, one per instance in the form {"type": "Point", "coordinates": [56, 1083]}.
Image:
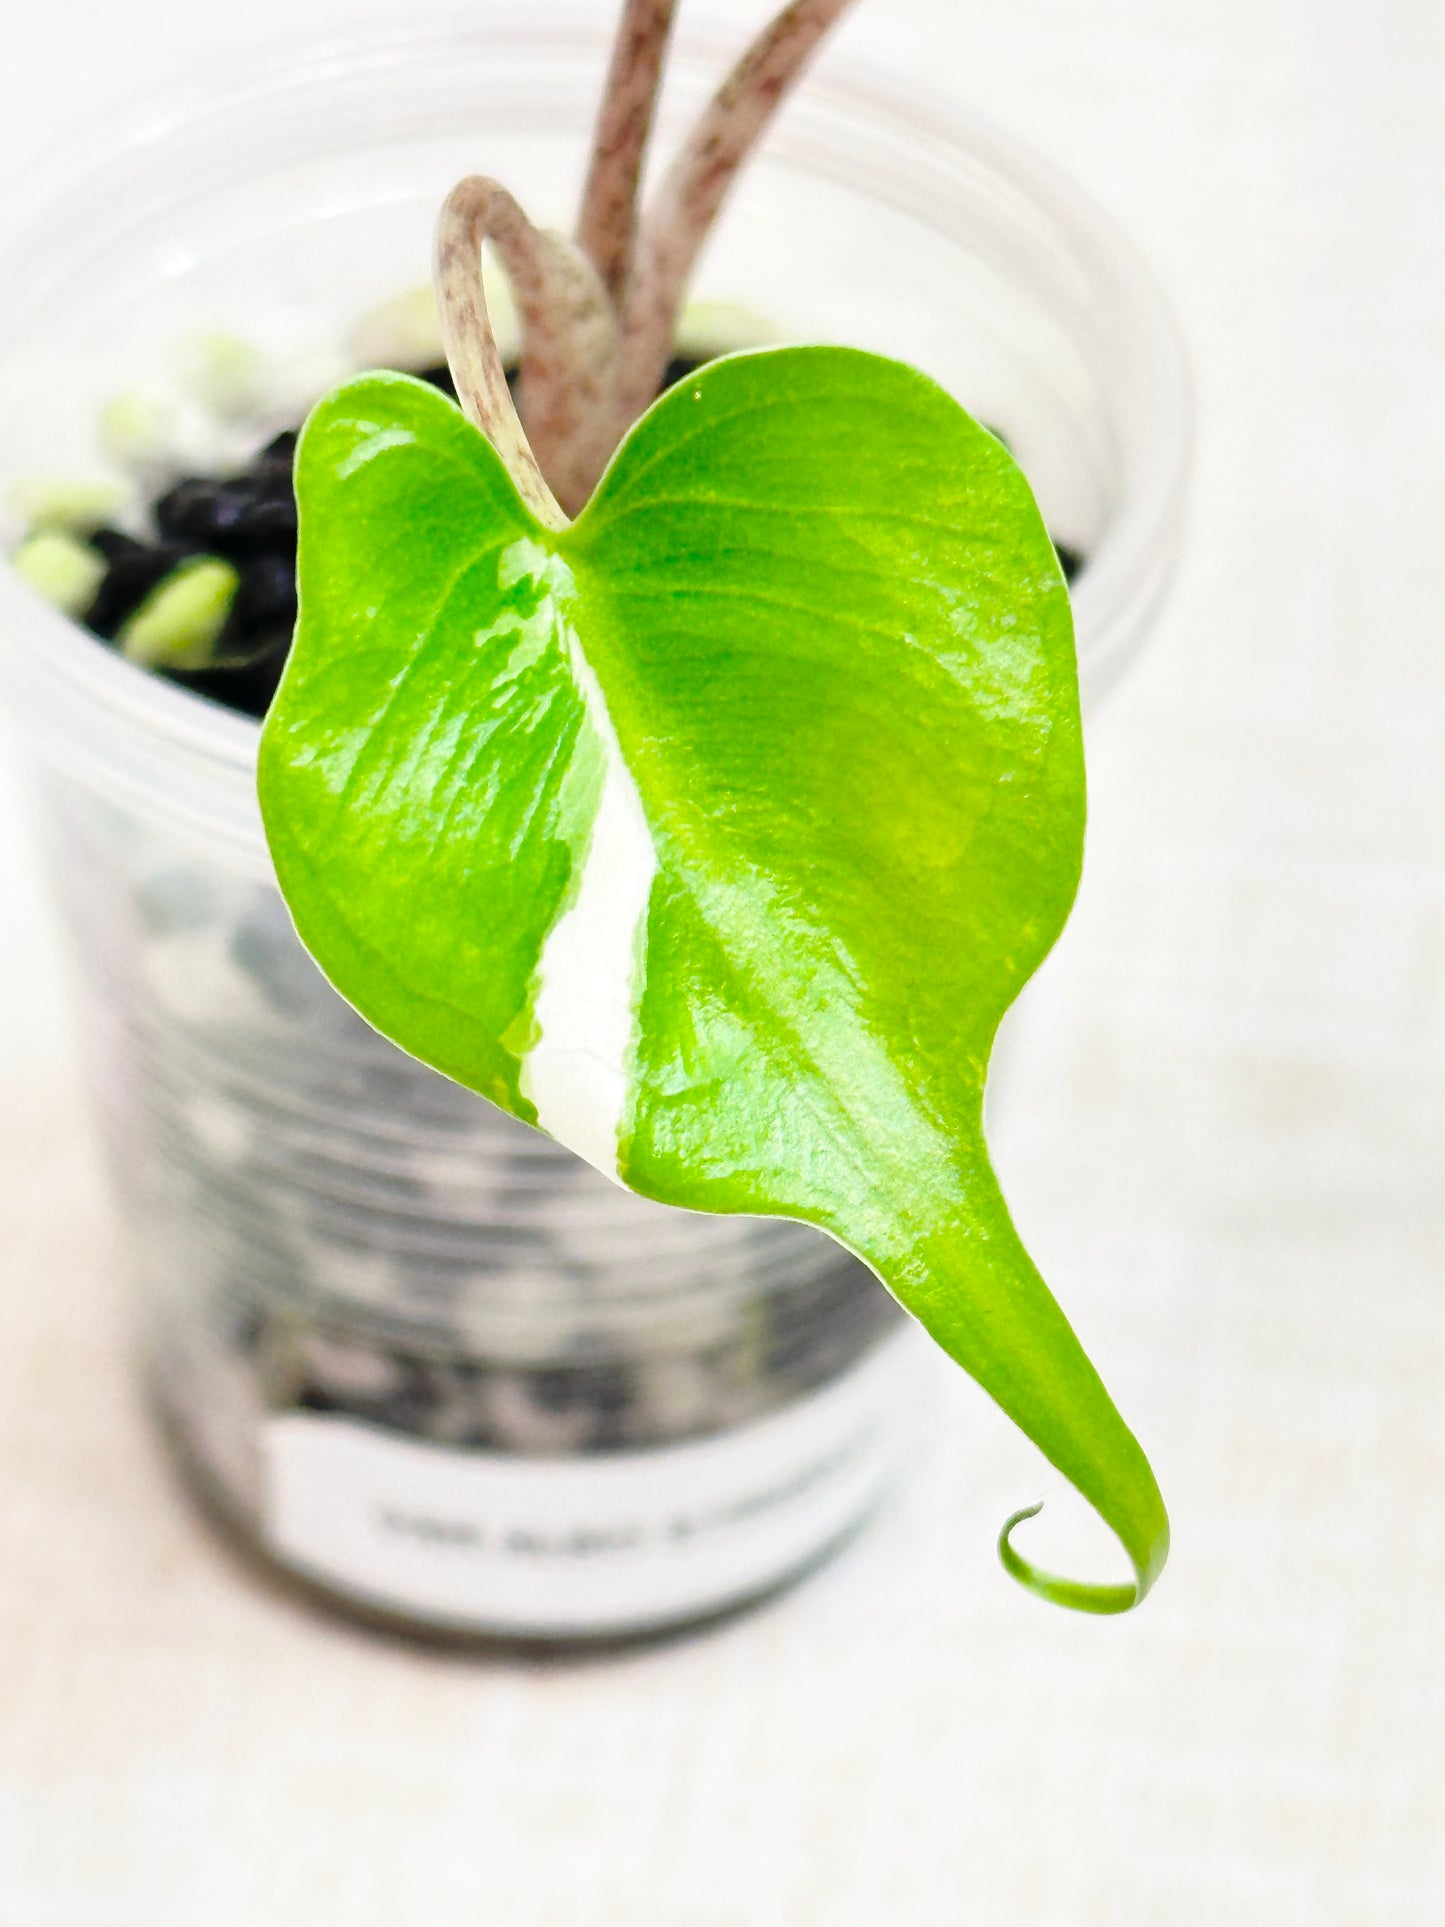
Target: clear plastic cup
{"type": "Point", "coordinates": [413, 1352]}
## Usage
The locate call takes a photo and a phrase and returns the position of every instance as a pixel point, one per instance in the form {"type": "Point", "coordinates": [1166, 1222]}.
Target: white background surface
{"type": "Point", "coordinates": [1226, 1150]}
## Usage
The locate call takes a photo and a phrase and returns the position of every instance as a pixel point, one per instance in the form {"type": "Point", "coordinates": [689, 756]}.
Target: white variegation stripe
{"type": "Point", "coordinates": [589, 975]}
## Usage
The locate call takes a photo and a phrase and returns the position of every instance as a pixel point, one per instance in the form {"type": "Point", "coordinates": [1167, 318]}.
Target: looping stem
{"type": "Point", "coordinates": [568, 346]}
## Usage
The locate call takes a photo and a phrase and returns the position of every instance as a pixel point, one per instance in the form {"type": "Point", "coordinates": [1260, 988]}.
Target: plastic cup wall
{"type": "Point", "coordinates": [311, 1215]}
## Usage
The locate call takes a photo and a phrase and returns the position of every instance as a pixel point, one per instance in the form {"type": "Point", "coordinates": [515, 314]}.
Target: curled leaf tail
{"type": "Point", "coordinates": [979, 1295]}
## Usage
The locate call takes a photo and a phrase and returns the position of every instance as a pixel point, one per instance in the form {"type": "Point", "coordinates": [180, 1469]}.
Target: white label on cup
{"type": "Point", "coordinates": [610, 1543]}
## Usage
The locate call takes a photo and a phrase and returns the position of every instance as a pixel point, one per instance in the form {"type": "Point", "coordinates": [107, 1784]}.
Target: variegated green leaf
{"type": "Point", "coordinates": [715, 833]}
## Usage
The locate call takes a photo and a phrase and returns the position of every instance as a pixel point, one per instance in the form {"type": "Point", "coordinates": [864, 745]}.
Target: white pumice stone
{"type": "Point", "coordinates": [523, 1424]}
{"type": "Point", "coordinates": [677, 1395]}
{"type": "Point", "coordinates": [456, 1412]}
{"type": "Point", "coordinates": [138, 430]}
{"type": "Point", "coordinates": [526, 1317]}
{"type": "Point", "coordinates": [230, 378]}
{"type": "Point", "coordinates": [60, 567]}
{"type": "Point", "coordinates": [155, 435]}
{"type": "Point", "coordinates": [77, 503]}
{"type": "Point", "coordinates": [405, 332]}
{"type": "Point", "coordinates": [351, 1370]}
{"type": "Point", "coordinates": [193, 986]}
{"type": "Point", "coordinates": [352, 1274]}
{"type": "Point", "coordinates": [709, 328]}
{"type": "Point", "coordinates": [218, 1128]}
{"type": "Point", "coordinates": [298, 381]}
